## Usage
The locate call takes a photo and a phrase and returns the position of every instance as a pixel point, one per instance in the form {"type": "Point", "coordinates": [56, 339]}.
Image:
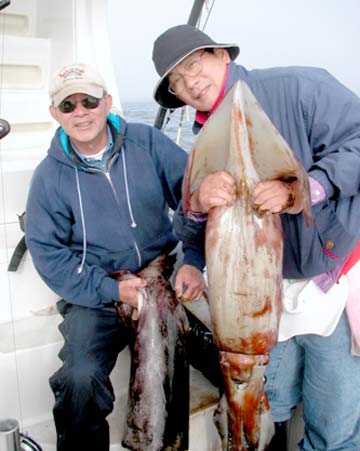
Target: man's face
{"type": "Point", "coordinates": [86, 127]}
{"type": "Point", "coordinates": [201, 90]}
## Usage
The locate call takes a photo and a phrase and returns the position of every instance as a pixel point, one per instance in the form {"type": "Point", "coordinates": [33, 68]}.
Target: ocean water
{"type": "Point", "coordinates": [178, 127]}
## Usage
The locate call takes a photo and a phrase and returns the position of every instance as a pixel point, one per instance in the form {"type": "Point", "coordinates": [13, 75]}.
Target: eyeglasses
{"type": "Point", "coordinates": [68, 106]}
{"type": "Point", "coordinates": [192, 68]}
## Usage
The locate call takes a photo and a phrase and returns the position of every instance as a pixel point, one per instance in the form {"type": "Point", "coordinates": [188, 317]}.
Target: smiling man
{"type": "Point", "coordinates": [98, 203]}
{"type": "Point", "coordinates": [315, 362]}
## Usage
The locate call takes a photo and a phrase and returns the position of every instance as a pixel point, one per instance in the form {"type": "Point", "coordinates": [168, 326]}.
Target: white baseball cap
{"type": "Point", "coordinates": [74, 79]}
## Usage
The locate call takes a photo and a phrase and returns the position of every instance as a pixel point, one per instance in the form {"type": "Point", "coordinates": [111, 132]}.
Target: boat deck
{"type": "Point", "coordinates": [203, 435]}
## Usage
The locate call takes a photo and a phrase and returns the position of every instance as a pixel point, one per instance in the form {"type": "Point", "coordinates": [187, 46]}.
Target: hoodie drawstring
{"type": "Point", "coordinates": [80, 268]}
{"type": "Point", "coordinates": [133, 223]}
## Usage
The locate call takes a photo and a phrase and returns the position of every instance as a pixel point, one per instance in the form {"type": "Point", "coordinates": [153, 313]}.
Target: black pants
{"type": "Point", "coordinates": [84, 396]}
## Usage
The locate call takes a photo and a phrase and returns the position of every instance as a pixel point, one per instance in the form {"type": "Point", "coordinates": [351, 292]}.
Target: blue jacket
{"type": "Point", "coordinates": [83, 223]}
{"type": "Point", "coordinates": [320, 119]}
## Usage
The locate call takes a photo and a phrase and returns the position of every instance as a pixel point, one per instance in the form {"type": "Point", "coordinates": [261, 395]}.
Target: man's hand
{"type": "Point", "coordinates": [189, 283]}
{"type": "Point", "coordinates": [215, 190]}
{"type": "Point", "coordinates": [276, 196]}
{"type": "Point", "coordinates": [128, 290]}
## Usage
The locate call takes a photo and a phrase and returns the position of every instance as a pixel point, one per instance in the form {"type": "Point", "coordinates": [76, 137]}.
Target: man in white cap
{"type": "Point", "coordinates": [320, 120]}
{"type": "Point", "coordinates": [98, 203]}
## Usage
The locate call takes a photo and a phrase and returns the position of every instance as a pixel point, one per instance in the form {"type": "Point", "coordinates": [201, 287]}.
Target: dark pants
{"type": "Point", "coordinates": [83, 392]}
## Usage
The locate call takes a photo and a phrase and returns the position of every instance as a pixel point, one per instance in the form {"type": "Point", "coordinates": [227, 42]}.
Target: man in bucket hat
{"type": "Point", "coordinates": [98, 203]}
{"type": "Point", "coordinates": [320, 119]}
{"type": "Point", "coordinates": [174, 47]}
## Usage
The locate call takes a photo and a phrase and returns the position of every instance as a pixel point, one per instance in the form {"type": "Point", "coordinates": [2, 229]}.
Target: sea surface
{"type": "Point", "coordinates": [178, 124]}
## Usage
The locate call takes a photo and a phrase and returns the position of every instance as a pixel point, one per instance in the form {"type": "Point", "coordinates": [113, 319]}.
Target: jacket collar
{"type": "Point", "coordinates": [62, 150]}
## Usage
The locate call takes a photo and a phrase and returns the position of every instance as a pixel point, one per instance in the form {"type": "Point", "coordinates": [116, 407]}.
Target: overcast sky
{"type": "Point", "coordinates": [324, 33]}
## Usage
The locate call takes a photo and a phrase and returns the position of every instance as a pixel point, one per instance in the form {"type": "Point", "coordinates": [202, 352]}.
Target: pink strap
{"type": "Point", "coordinates": [352, 259]}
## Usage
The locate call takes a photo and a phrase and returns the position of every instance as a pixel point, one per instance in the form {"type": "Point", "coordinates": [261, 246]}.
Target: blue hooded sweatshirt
{"type": "Point", "coordinates": [83, 223]}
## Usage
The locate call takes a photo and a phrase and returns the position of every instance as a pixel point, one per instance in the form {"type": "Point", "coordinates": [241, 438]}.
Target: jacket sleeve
{"type": "Point", "coordinates": [192, 234]}
{"type": "Point", "coordinates": [333, 121]}
{"type": "Point", "coordinates": [47, 230]}
{"type": "Point", "coordinates": [170, 161]}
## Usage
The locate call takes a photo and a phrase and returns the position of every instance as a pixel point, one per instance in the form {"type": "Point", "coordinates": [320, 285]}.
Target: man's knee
{"type": "Point", "coordinates": [81, 383]}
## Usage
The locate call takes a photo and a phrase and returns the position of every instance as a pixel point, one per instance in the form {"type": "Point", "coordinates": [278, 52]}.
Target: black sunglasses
{"type": "Point", "coordinates": [90, 103]}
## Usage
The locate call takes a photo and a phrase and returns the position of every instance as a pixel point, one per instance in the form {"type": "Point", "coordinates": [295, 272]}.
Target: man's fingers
{"type": "Point", "coordinates": [217, 199]}
{"type": "Point", "coordinates": [193, 293]}
{"type": "Point", "coordinates": [138, 282]}
{"type": "Point", "coordinates": [276, 196]}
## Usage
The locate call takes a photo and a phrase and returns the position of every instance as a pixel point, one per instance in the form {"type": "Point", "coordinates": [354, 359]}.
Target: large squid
{"type": "Point", "coordinates": [244, 258]}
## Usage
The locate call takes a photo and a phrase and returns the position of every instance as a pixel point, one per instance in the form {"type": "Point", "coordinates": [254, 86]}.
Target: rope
{"type": "Point", "coordinates": [181, 120]}
{"type": "Point", "coordinates": [208, 15]}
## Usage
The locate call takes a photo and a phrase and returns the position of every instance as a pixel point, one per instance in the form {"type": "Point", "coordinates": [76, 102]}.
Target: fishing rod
{"type": "Point", "coordinates": [192, 20]}
{"type": "Point", "coordinates": [4, 4]}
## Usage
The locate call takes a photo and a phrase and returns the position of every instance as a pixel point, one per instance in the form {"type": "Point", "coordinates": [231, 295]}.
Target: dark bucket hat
{"type": "Point", "coordinates": [170, 48]}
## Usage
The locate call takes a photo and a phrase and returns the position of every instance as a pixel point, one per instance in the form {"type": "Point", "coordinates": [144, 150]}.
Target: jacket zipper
{"type": "Point", "coordinates": [133, 224]}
